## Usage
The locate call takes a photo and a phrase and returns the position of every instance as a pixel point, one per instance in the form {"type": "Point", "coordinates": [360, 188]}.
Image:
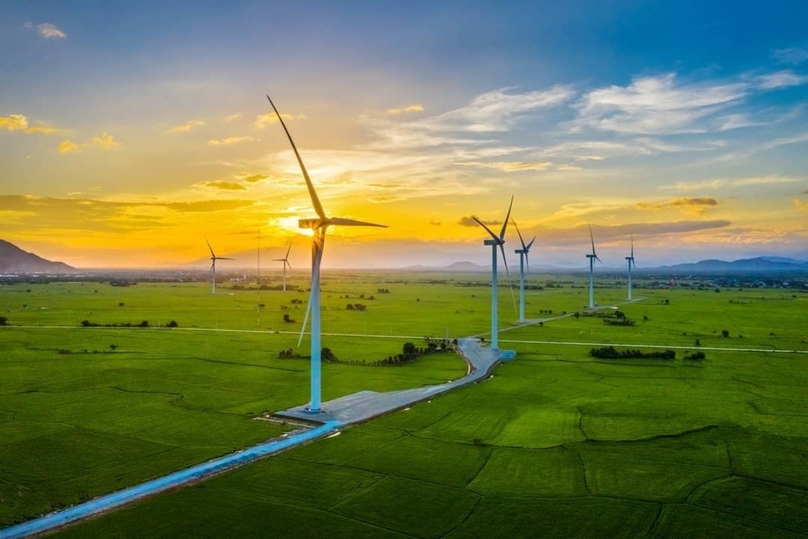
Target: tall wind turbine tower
{"type": "Point", "coordinates": [592, 257]}
{"type": "Point", "coordinates": [631, 264]}
{"type": "Point", "coordinates": [213, 259]}
{"type": "Point", "coordinates": [285, 261]}
{"type": "Point", "coordinates": [318, 226]}
{"type": "Point", "coordinates": [494, 242]}
{"type": "Point", "coordinates": [524, 263]}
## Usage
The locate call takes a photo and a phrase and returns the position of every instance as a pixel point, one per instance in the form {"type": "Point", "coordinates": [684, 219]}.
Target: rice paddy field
{"type": "Point", "coordinates": [555, 444]}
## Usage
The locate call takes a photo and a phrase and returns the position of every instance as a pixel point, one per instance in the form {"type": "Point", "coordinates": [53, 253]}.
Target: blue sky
{"type": "Point", "coordinates": [681, 123]}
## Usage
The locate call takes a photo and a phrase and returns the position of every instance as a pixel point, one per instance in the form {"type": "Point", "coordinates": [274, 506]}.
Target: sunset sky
{"type": "Point", "coordinates": [129, 131]}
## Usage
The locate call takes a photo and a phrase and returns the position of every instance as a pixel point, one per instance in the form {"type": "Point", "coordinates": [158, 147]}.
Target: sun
{"type": "Point", "coordinates": [289, 225]}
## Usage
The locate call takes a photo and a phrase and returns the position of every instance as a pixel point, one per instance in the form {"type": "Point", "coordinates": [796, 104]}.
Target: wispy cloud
{"type": "Point", "coordinates": [469, 221]}
{"type": "Point", "coordinates": [263, 120]}
{"type": "Point", "coordinates": [253, 178]}
{"type": "Point", "coordinates": [696, 205]}
{"type": "Point", "coordinates": [229, 140]}
{"type": "Point", "coordinates": [403, 110]}
{"type": "Point", "coordinates": [18, 122]}
{"type": "Point", "coordinates": [800, 205]}
{"type": "Point", "coordinates": [781, 79]}
{"type": "Point", "coordinates": [67, 146]}
{"type": "Point", "coordinates": [566, 167]}
{"type": "Point", "coordinates": [186, 127]}
{"type": "Point", "coordinates": [230, 186]}
{"type": "Point", "coordinates": [791, 55]}
{"type": "Point", "coordinates": [509, 166]}
{"type": "Point", "coordinates": [230, 117]}
{"type": "Point", "coordinates": [46, 30]}
{"type": "Point", "coordinates": [105, 142]}
{"type": "Point", "coordinates": [655, 105]}
{"type": "Point", "coordinates": [728, 182]}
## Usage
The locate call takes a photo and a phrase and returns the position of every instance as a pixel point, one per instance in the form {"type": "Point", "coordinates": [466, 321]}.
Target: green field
{"type": "Point", "coordinates": [556, 444]}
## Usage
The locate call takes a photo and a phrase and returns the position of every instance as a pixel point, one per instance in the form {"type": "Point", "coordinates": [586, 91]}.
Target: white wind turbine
{"type": "Point", "coordinates": [524, 263]}
{"type": "Point", "coordinates": [494, 242]}
{"type": "Point", "coordinates": [631, 264]}
{"type": "Point", "coordinates": [592, 257]}
{"type": "Point", "coordinates": [318, 227]}
{"type": "Point", "coordinates": [213, 259]}
{"type": "Point", "coordinates": [285, 261]}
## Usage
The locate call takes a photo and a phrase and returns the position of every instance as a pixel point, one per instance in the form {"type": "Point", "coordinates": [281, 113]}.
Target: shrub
{"type": "Point", "coordinates": [696, 356]}
{"type": "Point", "coordinates": [172, 324]}
{"type": "Point", "coordinates": [3, 320]}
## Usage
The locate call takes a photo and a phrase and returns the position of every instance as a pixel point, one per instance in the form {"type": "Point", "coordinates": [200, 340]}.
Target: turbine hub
{"type": "Point", "coordinates": [313, 224]}
{"type": "Point", "coordinates": [492, 242]}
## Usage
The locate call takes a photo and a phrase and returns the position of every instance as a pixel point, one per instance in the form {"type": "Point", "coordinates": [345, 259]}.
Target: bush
{"type": "Point", "coordinates": [724, 333]}
{"type": "Point", "coordinates": [696, 356]}
{"type": "Point", "coordinates": [610, 352]}
{"type": "Point", "coordinates": [3, 320]}
{"type": "Point", "coordinates": [172, 324]}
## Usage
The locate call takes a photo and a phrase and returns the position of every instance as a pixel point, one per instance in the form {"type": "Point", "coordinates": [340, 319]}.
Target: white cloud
{"type": "Point", "coordinates": [728, 182]}
{"type": "Point", "coordinates": [735, 121]}
{"type": "Point", "coordinates": [781, 79]}
{"type": "Point", "coordinates": [410, 108]}
{"type": "Point", "coordinates": [655, 105]}
{"type": "Point", "coordinates": [791, 55]}
{"type": "Point", "coordinates": [46, 30]}
{"type": "Point", "coordinates": [509, 166]}
{"type": "Point", "coordinates": [229, 140]}
{"type": "Point", "coordinates": [186, 127]}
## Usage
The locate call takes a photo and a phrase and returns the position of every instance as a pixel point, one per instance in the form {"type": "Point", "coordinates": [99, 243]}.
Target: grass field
{"type": "Point", "coordinates": [556, 444]}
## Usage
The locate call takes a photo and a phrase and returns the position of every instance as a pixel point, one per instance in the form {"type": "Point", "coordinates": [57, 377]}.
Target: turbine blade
{"type": "Point", "coordinates": [287, 251]}
{"type": "Point", "coordinates": [224, 258]}
{"type": "Point", "coordinates": [288, 264]}
{"type": "Point", "coordinates": [632, 247]}
{"type": "Point", "coordinates": [522, 241]}
{"type": "Point", "coordinates": [305, 322]}
{"type": "Point", "coordinates": [527, 261]}
{"type": "Point", "coordinates": [505, 222]}
{"type": "Point", "coordinates": [591, 237]}
{"type": "Point", "coordinates": [529, 245]}
{"type": "Point", "coordinates": [496, 238]}
{"type": "Point", "coordinates": [339, 221]}
{"type": "Point", "coordinates": [210, 248]}
{"type": "Point", "coordinates": [315, 201]}
{"type": "Point", "coordinates": [504, 260]}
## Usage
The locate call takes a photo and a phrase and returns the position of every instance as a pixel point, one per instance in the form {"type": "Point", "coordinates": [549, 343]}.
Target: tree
{"type": "Point", "coordinates": [288, 319]}
{"type": "Point", "coordinates": [409, 349]}
{"type": "Point", "coordinates": [725, 333]}
{"type": "Point", "coordinates": [327, 355]}
{"type": "Point", "coordinates": [113, 347]}
{"type": "Point", "coordinates": [3, 320]}
{"type": "Point", "coordinates": [172, 324]}
{"type": "Point", "coordinates": [350, 307]}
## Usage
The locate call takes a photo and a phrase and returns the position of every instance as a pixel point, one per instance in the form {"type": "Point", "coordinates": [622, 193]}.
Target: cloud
{"type": "Point", "coordinates": [46, 30]}
{"type": "Point", "coordinates": [435, 223]}
{"type": "Point", "coordinates": [469, 221]}
{"type": "Point", "coordinates": [105, 141]}
{"type": "Point", "coordinates": [781, 79]}
{"type": "Point", "coordinates": [229, 140]}
{"type": "Point", "coordinates": [509, 166]}
{"type": "Point", "coordinates": [232, 186]}
{"type": "Point", "coordinates": [67, 146]}
{"type": "Point", "coordinates": [692, 205]}
{"type": "Point", "coordinates": [13, 122]}
{"type": "Point", "coordinates": [791, 55]}
{"type": "Point", "coordinates": [655, 105]}
{"type": "Point", "coordinates": [590, 158]}
{"type": "Point", "coordinates": [735, 121]}
{"type": "Point", "coordinates": [263, 120]}
{"type": "Point", "coordinates": [728, 182]}
{"type": "Point", "coordinates": [403, 110]}
{"type": "Point", "coordinates": [568, 168]}
{"type": "Point", "coordinates": [253, 178]}
{"type": "Point", "coordinates": [186, 127]}
{"type": "Point", "coordinates": [230, 117]}
{"type": "Point", "coordinates": [800, 205]}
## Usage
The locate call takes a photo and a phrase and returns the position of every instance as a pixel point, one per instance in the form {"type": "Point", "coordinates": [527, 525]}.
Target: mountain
{"type": "Point", "coordinates": [746, 265]}
{"type": "Point", "coordinates": [15, 260]}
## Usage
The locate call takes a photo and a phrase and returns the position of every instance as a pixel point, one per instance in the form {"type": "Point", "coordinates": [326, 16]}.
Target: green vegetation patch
{"type": "Point", "coordinates": [412, 507]}
{"type": "Point", "coordinates": [583, 517]}
{"type": "Point", "coordinates": [687, 521]}
{"type": "Point", "coordinates": [543, 473]}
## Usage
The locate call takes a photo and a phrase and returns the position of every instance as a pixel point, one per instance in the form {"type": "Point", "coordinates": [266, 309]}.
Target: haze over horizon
{"type": "Point", "coordinates": [130, 131]}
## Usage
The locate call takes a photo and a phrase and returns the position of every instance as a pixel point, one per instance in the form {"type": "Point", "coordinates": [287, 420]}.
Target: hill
{"type": "Point", "coordinates": [746, 265]}
{"type": "Point", "coordinates": [15, 260]}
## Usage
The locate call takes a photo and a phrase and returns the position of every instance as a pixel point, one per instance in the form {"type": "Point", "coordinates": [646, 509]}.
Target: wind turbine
{"type": "Point", "coordinates": [318, 227]}
{"type": "Point", "coordinates": [213, 259]}
{"type": "Point", "coordinates": [285, 261]}
{"type": "Point", "coordinates": [523, 261]}
{"type": "Point", "coordinates": [494, 242]}
{"type": "Point", "coordinates": [592, 259]}
{"type": "Point", "coordinates": [631, 263]}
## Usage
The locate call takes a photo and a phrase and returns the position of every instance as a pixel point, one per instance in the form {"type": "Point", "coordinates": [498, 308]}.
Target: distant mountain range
{"type": "Point", "coordinates": [763, 264]}
{"type": "Point", "coordinates": [15, 260]}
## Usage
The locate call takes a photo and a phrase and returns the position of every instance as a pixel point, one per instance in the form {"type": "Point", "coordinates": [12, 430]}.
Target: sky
{"type": "Point", "coordinates": [130, 132]}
